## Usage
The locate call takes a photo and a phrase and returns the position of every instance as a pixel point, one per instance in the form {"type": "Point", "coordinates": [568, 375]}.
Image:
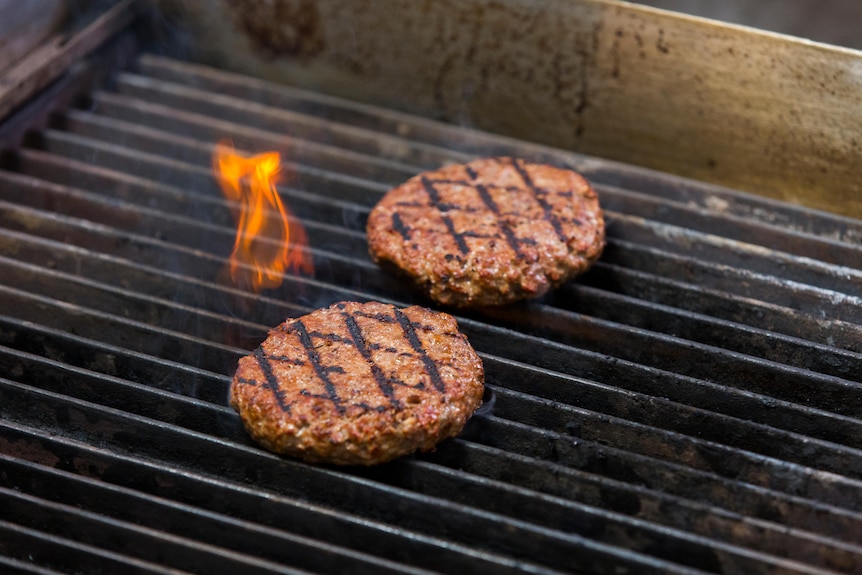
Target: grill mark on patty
{"type": "Point", "coordinates": [528, 227]}
{"type": "Point", "coordinates": [322, 371]}
{"type": "Point", "coordinates": [381, 317]}
{"type": "Point", "coordinates": [448, 207]}
{"type": "Point", "coordinates": [270, 379]}
{"type": "Point", "coordinates": [473, 174]}
{"type": "Point", "coordinates": [359, 342]}
{"type": "Point", "coordinates": [384, 318]}
{"type": "Point", "coordinates": [349, 336]}
{"type": "Point", "coordinates": [434, 196]}
{"type": "Point", "coordinates": [504, 226]}
{"type": "Point", "coordinates": [399, 226]}
{"type": "Point", "coordinates": [431, 367]}
{"type": "Point", "coordinates": [540, 197]}
{"type": "Point", "coordinates": [450, 182]}
{"type": "Point", "coordinates": [285, 359]}
{"type": "Point", "coordinates": [333, 337]}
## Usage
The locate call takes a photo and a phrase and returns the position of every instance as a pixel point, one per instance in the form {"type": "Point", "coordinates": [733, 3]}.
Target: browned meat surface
{"type": "Point", "coordinates": [490, 232]}
{"type": "Point", "coordinates": [359, 384]}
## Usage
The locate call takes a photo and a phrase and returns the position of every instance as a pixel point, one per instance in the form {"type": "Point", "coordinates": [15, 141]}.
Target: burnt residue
{"type": "Point", "coordinates": [439, 85]}
{"type": "Point", "coordinates": [280, 27]}
{"type": "Point", "coordinates": [660, 44]}
{"type": "Point", "coordinates": [570, 78]}
{"type": "Point", "coordinates": [587, 62]}
{"type": "Point", "coordinates": [615, 52]}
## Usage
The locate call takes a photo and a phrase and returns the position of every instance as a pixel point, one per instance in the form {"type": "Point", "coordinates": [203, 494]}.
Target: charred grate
{"type": "Point", "coordinates": [690, 405]}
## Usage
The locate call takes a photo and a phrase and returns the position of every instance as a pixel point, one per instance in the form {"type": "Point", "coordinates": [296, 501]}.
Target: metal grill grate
{"type": "Point", "coordinates": [689, 405]}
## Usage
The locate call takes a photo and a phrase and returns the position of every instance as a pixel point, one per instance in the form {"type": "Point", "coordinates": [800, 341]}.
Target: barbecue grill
{"type": "Point", "coordinates": [689, 405]}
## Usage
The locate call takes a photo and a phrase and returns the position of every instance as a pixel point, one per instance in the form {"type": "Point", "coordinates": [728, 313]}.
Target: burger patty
{"type": "Point", "coordinates": [490, 232]}
{"type": "Point", "coordinates": [359, 384]}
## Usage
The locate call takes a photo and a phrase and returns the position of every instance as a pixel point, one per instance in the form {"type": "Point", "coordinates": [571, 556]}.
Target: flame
{"type": "Point", "coordinates": [268, 240]}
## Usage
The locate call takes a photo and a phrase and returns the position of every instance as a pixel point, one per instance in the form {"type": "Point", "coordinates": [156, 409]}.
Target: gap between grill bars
{"type": "Point", "coordinates": [691, 404]}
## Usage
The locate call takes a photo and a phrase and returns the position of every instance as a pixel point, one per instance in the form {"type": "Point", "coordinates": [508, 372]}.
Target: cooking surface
{"type": "Point", "coordinates": [691, 404]}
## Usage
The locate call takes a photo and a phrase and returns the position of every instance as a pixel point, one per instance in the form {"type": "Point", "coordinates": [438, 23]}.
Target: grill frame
{"type": "Point", "coordinates": [599, 456]}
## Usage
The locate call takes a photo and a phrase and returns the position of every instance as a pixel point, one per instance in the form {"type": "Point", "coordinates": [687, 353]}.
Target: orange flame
{"type": "Point", "coordinates": [268, 240]}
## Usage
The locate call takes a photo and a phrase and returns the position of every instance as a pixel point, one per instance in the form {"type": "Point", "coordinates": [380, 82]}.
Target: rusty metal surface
{"type": "Point", "coordinates": [51, 60]}
{"type": "Point", "coordinates": [751, 110]}
{"type": "Point", "coordinates": [23, 26]}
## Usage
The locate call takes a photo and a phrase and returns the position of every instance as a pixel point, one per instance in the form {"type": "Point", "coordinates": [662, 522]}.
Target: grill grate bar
{"type": "Point", "coordinates": [769, 288]}
{"type": "Point", "coordinates": [704, 452]}
{"type": "Point", "coordinates": [185, 418]}
{"type": "Point", "coordinates": [470, 526]}
{"type": "Point", "coordinates": [813, 298]}
{"type": "Point", "coordinates": [661, 412]}
{"type": "Point", "coordinates": [207, 426]}
{"type": "Point", "coordinates": [671, 478]}
{"type": "Point", "coordinates": [687, 297]}
{"type": "Point", "coordinates": [186, 176]}
{"type": "Point", "coordinates": [111, 360]}
{"type": "Point", "coordinates": [835, 426]}
{"type": "Point", "coordinates": [138, 542]}
{"type": "Point", "coordinates": [777, 215]}
{"type": "Point", "coordinates": [591, 426]}
{"type": "Point", "coordinates": [700, 515]}
{"type": "Point", "coordinates": [741, 559]}
{"type": "Point", "coordinates": [283, 122]}
{"type": "Point", "coordinates": [180, 230]}
{"type": "Point", "coordinates": [818, 302]}
{"type": "Point", "coordinates": [112, 392]}
{"type": "Point", "coordinates": [227, 232]}
{"type": "Point", "coordinates": [221, 418]}
{"type": "Point", "coordinates": [111, 270]}
{"type": "Point", "coordinates": [260, 506]}
{"type": "Point", "coordinates": [713, 222]}
{"type": "Point", "coordinates": [60, 552]}
{"type": "Point", "coordinates": [722, 305]}
{"type": "Point", "coordinates": [633, 533]}
{"type": "Point", "coordinates": [257, 335]}
{"type": "Point", "coordinates": [120, 121]}
{"type": "Point", "coordinates": [690, 358]}
{"type": "Point", "coordinates": [734, 336]}
{"type": "Point", "coordinates": [257, 331]}
{"type": "Point", "coordinates": [825, 249]}
{"type": "Point", "coordinates": [833, 363]}
{"type": "Point", "coordinates": [487, 487]}
{"type": "Point", "coordinates": [569, 324]}
{"type": "Point", "coordinates": [131, 334]}
{"type": "Point", "coordinates": [408, 127]}
{"type": "Point", "coordinates": [526, 503]}
{"type": "Point", "coordinates": [213, 529]}
{"type": "Point", "coordinates": [698, 218]}
{"type": "Point", "coordinates": [119, 301]}
{"type": "Point", "coordinates": [467, 143]}
{"type": "Point", "coordinates": [13, 566]}
{"type": "Point", "coordinates": [727, 249]}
